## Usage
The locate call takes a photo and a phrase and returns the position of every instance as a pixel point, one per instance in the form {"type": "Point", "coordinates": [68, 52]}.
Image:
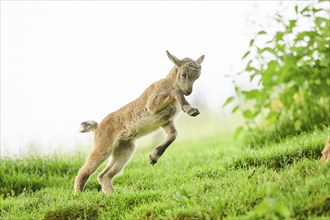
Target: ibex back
{"type": "Point", "coordinates": [155, 108]}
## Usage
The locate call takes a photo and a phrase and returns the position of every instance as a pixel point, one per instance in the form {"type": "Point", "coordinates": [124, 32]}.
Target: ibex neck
{"type": "Point", "coordinates": [173, 75]}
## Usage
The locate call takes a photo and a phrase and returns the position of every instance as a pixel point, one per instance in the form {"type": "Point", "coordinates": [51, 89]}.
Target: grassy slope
{"type": "Point", "coordinates": [204, 179]}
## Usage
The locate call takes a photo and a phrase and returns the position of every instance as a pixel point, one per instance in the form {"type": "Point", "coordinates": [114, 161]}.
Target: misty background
{"type": "Point", "coordinates": [66, 62]}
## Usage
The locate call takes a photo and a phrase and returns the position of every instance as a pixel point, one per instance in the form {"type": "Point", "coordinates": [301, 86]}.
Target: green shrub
{"type": "Point", "coordinates": [292, 69]}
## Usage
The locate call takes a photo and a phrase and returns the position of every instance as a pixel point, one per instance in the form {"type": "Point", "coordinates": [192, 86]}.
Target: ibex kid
{"type": "Point", "coordinates": [155, 108]}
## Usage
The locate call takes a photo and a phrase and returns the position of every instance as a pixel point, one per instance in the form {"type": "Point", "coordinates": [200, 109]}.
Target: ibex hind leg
{"type": "Point", "coordinates": [159, 150]}
{"type": "Point", "coordinates": [95, 159]}
{"type": "Point", "coordinates": [120, 156]}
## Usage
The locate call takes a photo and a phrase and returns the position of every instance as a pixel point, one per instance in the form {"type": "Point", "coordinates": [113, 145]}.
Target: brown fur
{"type": "Point", "coordinates": [326, 151]}
{"type": "Point", "coordinates": [155, 108]}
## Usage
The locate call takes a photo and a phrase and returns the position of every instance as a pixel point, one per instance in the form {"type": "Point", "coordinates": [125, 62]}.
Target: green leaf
{"type": "Point", "coordinates": [296, 9]}
{"type": "Point", "coordinates": [235, 109]}
{"type": "Point", "coordinates": [248, 114]}
{"type": "Point", "coordinates": [252, 94]}
{"type": "Point", "coordinates": [268, 49]}
{"type": "Point", "coordinates": [245, 55]}
{"type": "Point", "coordinates": [251, 42]}
{"type": "Point", "coordinates": [229, 100]}
{"type": "Point", "coordinates": [269, 77]}
{"type": "Point", "coordinates": [249, 67]}
{"type": "Point", "coordinates": [237, 132]}
{"type": "Point", "coordinates": [252, 76]}
{"type": "Point", "coordinates": [279, 36]}
{"type": "Point", "coordinates": [306, 9]}
{"type": "Point", "coordinates": [262, 32]}
{"type": "Point", "coordinates": [280, 47]}
{"type": "Point", "coordinates": [237, 89]}
{"type": "Point", "coordinates": [315, 10]}
{"type": "Point", "coordinates": [287, 70]}
{"type": "Point", "coordinates": [292, 24]}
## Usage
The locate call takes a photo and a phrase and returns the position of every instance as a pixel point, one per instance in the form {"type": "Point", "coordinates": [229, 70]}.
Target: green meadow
{"type": "Point", "coordinates": [209, 178]}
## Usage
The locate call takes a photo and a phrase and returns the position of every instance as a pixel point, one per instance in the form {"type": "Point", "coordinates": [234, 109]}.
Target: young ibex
{"type": "Point", "coordinates": [155, 108]}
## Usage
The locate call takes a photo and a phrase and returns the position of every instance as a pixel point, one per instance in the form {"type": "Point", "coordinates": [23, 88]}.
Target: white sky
{"type": "Point", "coordinates": [63, 62]}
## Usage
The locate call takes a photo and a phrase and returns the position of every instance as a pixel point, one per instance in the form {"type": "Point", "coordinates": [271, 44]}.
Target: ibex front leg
{"type": "Point", "coordinates": [186, 107]}
{"type": "Point", "coordinates": [159, 150]}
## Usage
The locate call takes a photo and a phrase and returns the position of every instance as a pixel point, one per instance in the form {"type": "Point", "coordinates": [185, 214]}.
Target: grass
{"type": "Point", "coordinates": [205, 179]}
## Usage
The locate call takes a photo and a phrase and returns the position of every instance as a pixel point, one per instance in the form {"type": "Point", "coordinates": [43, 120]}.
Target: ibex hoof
{"type": "Point", "coordinates": [193, 112]}
{"type": "Point", "coordinates": [152, 160]}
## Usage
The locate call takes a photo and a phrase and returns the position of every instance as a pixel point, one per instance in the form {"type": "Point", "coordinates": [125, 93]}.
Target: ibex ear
{"type": "Point", "coordinates": [200, 59]}
{"type": "Point", "coordinates": [174, 59]}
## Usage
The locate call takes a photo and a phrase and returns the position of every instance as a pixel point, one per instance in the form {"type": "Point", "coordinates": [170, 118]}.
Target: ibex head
{"type": "Point", "coordinates": [188, 71]}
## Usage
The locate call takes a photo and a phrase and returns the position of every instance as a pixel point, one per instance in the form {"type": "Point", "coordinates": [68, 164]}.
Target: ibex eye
{"type": "Point", "coordinates": [184, 75]}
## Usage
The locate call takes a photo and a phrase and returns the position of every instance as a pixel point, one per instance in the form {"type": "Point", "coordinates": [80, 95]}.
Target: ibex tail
{"type": "Point", "coordinates": [88, 126]}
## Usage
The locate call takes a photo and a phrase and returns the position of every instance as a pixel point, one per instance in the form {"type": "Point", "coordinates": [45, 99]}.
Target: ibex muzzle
{"type": "Point", "coordinates": [155, 108]}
